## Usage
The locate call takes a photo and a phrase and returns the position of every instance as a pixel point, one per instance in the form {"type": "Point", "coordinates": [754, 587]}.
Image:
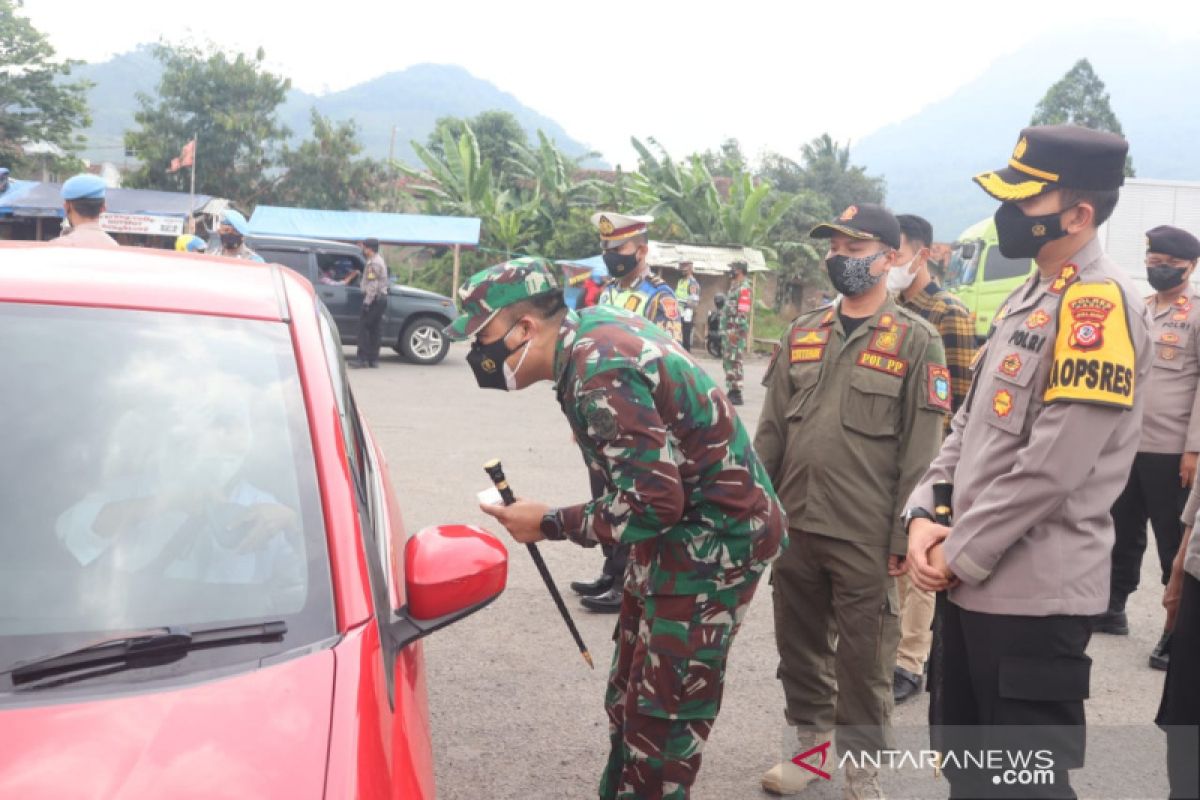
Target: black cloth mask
{"type": "Point", "coordinates": [1023, 236]}
{"type": "Point", "coordinates": [620, 265]}
{"type": "Point", "coordinates": [1163, 276]}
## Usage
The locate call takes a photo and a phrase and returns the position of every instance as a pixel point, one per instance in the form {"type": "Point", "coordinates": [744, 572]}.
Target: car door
{"type": "Point", "coordinates": [296, 259]}
{"type": "Point", "coordinates": [344, 301]}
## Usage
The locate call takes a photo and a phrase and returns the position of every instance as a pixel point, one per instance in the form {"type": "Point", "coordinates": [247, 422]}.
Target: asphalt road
{"type": "Point", "coordinates": [515, 711]}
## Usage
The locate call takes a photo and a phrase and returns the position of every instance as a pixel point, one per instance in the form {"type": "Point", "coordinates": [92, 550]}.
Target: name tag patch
{"type": "Point", "coordinates": [800, 355]}
{"type": "Point", "coordinates": [883, 363]}
{"type": "Point", "coordinates": [1029, 341]}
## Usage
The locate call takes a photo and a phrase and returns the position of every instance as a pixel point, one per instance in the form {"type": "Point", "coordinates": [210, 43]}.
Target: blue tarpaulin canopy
{"type": "Point", "coordinates": [33, 199]}
{"type": "Point", "coordinates": [354, 226]}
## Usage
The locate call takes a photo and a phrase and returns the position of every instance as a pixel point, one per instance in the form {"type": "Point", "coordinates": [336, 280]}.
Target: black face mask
{"type": "Point", "coordinates": [620, 265]}
{"type": "Point", "coordinates": [852, 276]}
{"type": "Point", "coordinates": [1022, 236]}
{"type": "Point", "coordinates": [487, 362]}
{"type": "Point", "coordinates": [231, 241]}
{"type": "Point", "coordinates": [1164, 276]}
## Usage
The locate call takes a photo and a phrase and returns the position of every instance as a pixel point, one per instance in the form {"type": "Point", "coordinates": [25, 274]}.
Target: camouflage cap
{"type": "Point", "coordinates": [486, 293]}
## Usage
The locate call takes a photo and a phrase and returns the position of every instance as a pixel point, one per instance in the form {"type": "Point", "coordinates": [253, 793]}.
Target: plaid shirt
{"type": "Point", "coordinates": [947, 313]}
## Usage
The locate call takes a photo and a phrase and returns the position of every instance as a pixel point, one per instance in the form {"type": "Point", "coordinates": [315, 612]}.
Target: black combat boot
{"type": "Point", "coordinates": [1112, 621]}
{"type": "Point", "coordinates": [593, 588]}
{"type": "Point", "coordinates": [607, 603]}
{"type": "Point", "coordinates": [1160, 656]}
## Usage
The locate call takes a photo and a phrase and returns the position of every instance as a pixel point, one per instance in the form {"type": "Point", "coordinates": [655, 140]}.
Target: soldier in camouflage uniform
{"type": "Point", "coordinates": [689, 495]}
{"type": "Point", "coordinates": [735, 330]}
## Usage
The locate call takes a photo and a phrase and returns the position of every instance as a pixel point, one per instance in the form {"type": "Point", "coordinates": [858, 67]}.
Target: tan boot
{"type": "Point", "coordinates": [862, 784]}
{"type": "Point", "coordinates": [787, 778]}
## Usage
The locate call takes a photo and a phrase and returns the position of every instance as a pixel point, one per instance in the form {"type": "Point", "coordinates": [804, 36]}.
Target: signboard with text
{"type": "Point", "coordinates": [146, 224]}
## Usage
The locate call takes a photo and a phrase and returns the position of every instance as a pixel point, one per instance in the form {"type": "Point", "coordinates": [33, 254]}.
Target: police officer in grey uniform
{"type": "Point", "coordinates": [374, 306]}
{"type": "Point", "coordinates": [1037, 454]}
{"type": "Point", "coordinates": [1179, 712]}
{"type": "Point", "coordinates": [83, 203]}
{"type": "Point", "coordinates": [1166, 460]}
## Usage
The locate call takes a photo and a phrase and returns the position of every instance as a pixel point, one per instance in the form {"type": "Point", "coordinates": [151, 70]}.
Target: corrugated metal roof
{"type": "Point", "coordinates": [36, 199]}
{"type": "Point", "coordinates": [354, 226]}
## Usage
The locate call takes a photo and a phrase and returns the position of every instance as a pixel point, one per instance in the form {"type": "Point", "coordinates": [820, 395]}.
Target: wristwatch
{"type": "Point", "coordinates": [916, 512]}
{"type": "Point", "coordinates": [552, 525]}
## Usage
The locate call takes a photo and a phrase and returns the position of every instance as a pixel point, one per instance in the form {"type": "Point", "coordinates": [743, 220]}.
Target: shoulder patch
{"type": "Point", "coordinates": [1094, 360]}
{"type": "Point", "coordinates": [670, 307]}
{"type": "Point", "coordinates": [937, 394]}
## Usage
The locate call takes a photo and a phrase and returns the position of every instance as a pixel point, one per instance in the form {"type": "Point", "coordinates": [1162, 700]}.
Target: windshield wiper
{"type": "Point", "coordinates": [151, 647]}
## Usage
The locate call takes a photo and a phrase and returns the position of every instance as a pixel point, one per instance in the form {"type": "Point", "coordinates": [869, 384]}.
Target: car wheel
{"type": "Point", "coordinates": [422, 341]}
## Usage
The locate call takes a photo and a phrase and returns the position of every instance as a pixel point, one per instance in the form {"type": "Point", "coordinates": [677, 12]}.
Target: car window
{"type": "Point", "coordinates": [297, 260]}
{"type": "Point", "coordinates": [999, 267]}
{"type": "Point", "coordinates": [341, 266]}
{"type": "Point", "coordinates": [336, 362]}
{"type": "Point", "coordinates": [157, 471]}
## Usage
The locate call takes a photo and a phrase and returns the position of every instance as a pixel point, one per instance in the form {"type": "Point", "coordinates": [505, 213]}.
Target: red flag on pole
{"type": "Point", "coordinates": [175, 165]}
{"type": "Point", "coordinates": [187, 156]}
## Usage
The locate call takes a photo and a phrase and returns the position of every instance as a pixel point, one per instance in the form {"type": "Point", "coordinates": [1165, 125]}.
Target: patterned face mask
{"type": "Point", "coordinates": [852, 276]}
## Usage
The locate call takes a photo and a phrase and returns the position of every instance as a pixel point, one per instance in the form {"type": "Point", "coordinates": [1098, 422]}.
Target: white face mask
{"type": "Point", "coordinates": [900, 277]}
{"type": "Point", "coordinates": [510, 373]}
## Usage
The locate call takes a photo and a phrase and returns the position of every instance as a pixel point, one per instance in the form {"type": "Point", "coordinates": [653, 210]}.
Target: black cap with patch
{"type": "Point", "coordinates": [862, 221]}
{"type": "Point", "coordinates": [1173, 242]}
{"type": "Point", "coordinates": [1051, 156]}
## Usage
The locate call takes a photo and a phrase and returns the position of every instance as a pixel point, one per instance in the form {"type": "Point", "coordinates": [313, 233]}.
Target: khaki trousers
{"type": "Point", "coordinates": [916, 621]}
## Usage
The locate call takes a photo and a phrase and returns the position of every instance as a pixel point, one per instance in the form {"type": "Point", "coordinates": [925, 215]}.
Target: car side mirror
{"type": "Point", "coordinates": [450, 572]}
{"type": "Point", "coordinates": [967, 252]}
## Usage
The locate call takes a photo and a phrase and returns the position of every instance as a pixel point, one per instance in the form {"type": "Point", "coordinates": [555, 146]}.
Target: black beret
{"type": "Point", "coordinates": [1173, 242]}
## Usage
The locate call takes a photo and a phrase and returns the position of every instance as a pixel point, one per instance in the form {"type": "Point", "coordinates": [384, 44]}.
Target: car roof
{"type": "Point", "coordinates": [143, 279]}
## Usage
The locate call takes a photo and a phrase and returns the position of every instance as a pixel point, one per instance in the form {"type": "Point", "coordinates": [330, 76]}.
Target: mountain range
{"type": "Point", "coordinates": [926, 159]}
{"type": "Point", "coordinates": [411, 100]}
{"type": "Point", "coordinates": [929, 158]}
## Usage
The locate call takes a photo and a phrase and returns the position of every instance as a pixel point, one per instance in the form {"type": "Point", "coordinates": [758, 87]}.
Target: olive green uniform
{"type": "Point", "coordinates": [850, 425]}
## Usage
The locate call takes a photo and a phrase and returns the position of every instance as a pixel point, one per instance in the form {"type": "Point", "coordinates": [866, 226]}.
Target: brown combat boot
{"type": "Point", "coordinates": [787, 778]}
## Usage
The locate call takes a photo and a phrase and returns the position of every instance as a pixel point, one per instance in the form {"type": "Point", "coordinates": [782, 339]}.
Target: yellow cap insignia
{"type": "Point", "coordinates": [1021, 147]}
{"type": "Point", "coordinates": [850, 213]}
{"type": "Point", "coordinates": [606, 226]}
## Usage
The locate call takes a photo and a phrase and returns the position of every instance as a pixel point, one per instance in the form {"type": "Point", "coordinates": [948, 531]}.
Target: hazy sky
{"type": "Point", "coordinates": [772, 74]}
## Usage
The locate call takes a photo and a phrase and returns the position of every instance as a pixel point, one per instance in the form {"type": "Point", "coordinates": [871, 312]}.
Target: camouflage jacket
{"type": "Point", "coordinates": [736, 313]}
{"type": "Point", "coordinates": [686, 488]}
{"type": "Point", "coordinates": [651, 297]}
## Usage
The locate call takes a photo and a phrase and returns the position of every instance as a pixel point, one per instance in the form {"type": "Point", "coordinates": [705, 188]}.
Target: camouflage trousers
{"type": "Point", "coordinates": [733, 346]}
{"type": "Point", "coordinates": [664, 689]}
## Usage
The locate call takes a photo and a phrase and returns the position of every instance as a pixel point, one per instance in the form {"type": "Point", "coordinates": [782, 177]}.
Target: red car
{"type": "Point", "coordinates": [206, 590]}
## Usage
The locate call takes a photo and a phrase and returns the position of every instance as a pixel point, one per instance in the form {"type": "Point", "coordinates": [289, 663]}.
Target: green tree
{"type": "Point", "coordinates": [327, 171]}
{"type": "Point", "coordinates": [36, 105]}
{"type": "Point", "coordinates": [827, 171]}
{"type": "Point", "coordinates": [727, 160]}
{"type": "Point", "coordinates": [554, 185]}
{"type": "Point", "coordinates": [498, 133]}
{"type": "Point", "coordinates": [230, 104]}
{"type": "Point", "coordinates": [1079, 98]}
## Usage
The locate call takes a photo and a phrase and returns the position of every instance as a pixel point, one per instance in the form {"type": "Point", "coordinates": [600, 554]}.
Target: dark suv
{"type": "Point", "coordinates": [414, 320]}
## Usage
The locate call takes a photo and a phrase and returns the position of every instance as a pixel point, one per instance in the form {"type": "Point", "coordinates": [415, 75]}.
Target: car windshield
{"type": "Point", "coordinates": [157, 470]}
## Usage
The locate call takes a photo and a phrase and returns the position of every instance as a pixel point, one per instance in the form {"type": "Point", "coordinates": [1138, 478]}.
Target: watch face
{"type": "Point", "coordinates": [550, 525]}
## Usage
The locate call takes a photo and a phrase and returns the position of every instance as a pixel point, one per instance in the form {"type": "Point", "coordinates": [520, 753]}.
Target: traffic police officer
{"type": "Point", "coordinates": [633, 288]}
{"type": "Point", "coordinates": [687, 294]}
{"type": "Point", "coordinates": [1165, 464]}
{"type": "Point", "coordinates": [856, 395]}
{"type": "Point", "coordinates": [374, 287]}
{"type": "Point", "coordinates": [687, 492]}
{"type": "Point", "coordinates": [735, 329]}
{"type": "Point", "coordinates": [232, 232]}
{"type": "Point", "coordinates": [83, 203]}
{"type": "Point", "coordinates": [1037, 454]}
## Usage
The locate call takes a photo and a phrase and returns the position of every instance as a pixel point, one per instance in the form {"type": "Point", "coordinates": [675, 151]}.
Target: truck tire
{"type": "Point", "coordinates": [422, 341]}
